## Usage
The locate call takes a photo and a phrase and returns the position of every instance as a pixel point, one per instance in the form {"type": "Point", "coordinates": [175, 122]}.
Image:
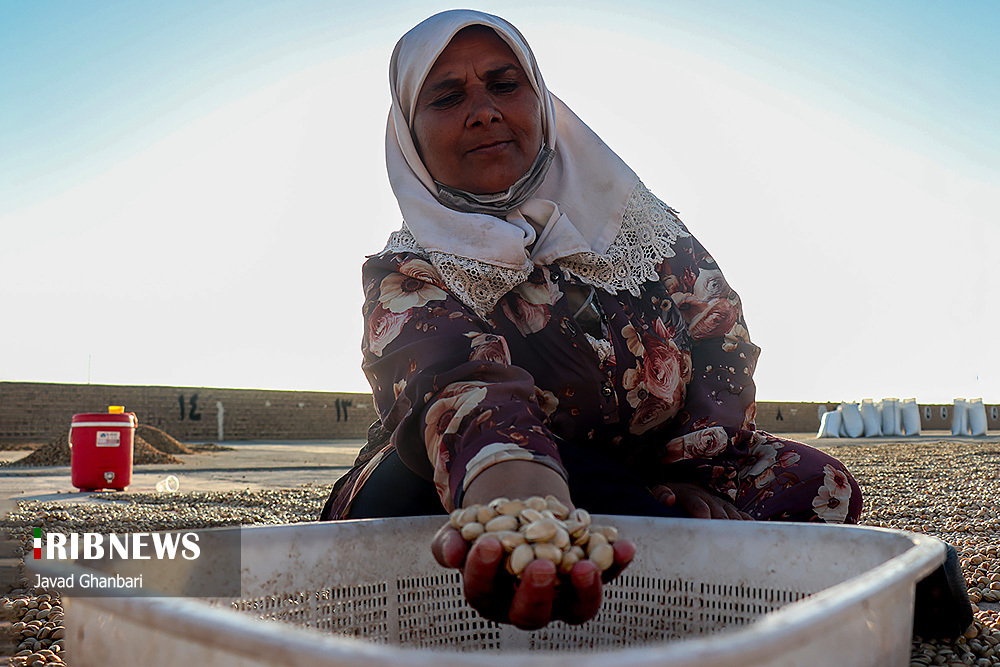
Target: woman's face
{"type": "Point", "coordinates": [477, 119]}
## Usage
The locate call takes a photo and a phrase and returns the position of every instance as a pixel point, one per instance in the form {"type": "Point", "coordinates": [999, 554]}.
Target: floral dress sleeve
{"type": "Point", "coordinates": [443, 382]}
{"type": "Point", "coordinates": [711, 433]}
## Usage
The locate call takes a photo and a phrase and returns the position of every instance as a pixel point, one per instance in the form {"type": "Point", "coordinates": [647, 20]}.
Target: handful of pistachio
{"type": "Point", "coordinates": [538, 528]}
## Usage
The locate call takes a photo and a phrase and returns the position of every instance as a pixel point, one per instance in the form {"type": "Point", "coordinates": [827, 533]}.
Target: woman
{"type": "Point", "coordinates": [543, 324]}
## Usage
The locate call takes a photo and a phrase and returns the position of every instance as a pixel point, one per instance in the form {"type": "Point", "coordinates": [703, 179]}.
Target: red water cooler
{"type": "Point", "coordinates": [101, 449]}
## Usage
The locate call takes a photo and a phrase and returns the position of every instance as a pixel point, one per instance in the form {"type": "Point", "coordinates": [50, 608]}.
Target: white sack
{"type": "Point", "coordinates": [911, 416]}
{"type": "Point", "coordinates": [829, 425]}
{"type": "Point", "coordinates": [889, 407]}
{"type": "Point", "coordinates": [977, 417]}
{"type": "Point", "coordinates": [850, 420]}
{"type": "Point", "coordinates": [960, 419]}
{"type": "Point", "coordinates": [871, 419]}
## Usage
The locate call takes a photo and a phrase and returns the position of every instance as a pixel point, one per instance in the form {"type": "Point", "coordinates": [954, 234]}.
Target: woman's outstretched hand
{"type": "Point", "coordinates": [540, 596]}
{"type": "Point", "coordinates": [697, 502]}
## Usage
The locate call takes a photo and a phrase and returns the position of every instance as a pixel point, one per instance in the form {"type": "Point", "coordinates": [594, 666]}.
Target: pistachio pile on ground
{"type": "Point", "coordinates": [538, 528]}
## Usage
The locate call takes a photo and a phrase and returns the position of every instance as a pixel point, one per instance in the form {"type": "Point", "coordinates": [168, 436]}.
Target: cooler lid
{"type": "Point", "coordinates": [101, 419]}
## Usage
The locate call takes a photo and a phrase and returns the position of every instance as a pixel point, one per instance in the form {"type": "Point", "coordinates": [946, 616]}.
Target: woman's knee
{"type": "Point", "coordinates": [788, 480]}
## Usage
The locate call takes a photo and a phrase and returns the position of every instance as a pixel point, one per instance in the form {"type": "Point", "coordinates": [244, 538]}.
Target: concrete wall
{"type": "Point", "coordinates": [790, 417]}
{"type": "Point", "coordinates": [37, 412]}
{"type": "Point", "coordinates": [804, 417]}
{"type": "Point", "coordinates": [40, 412]}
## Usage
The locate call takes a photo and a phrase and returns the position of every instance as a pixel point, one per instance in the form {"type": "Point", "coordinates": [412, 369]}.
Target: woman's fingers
{"type": "Point", "coordinates": [448, 547]}
{"type": "Point", "coordinates": [479, 577]}
{"type": "Point", "coordinates": [697, 508]}
{"type": "Point", "coordinates": [664, 494]}
{"type": "Point", "coordinates": [697, 502]}
{"type": "Point", "coordinates": [719, 510]}
{"type": "Point", "coordinates": [736, 514]}
{"type": "Point", "coordinates": [580, 601]}
{"type": "Point", "coordinates": [731, 512]}
{"type": "Point", "coordinates": [712, 507]}
{"type": "Point", "coordinates": [723, 509]}
{"type": "Point", "coordinates": [535, 597]}
{"type": "Point", "coordinates": [624, 553]}
{"type": "Point", "coordinates": [484, 583]}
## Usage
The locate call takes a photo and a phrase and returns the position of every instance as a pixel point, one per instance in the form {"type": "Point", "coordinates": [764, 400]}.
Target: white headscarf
{"type": "Point", "coordinates": [579, 206]}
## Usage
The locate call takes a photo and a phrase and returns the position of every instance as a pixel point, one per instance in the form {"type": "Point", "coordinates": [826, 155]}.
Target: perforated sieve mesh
{"type": "Point", "coordinates": [429, 611]}
{"type": "Point", "coordinates": [355, 611]}
{"type": "Point", "coordinates": [432, 613]}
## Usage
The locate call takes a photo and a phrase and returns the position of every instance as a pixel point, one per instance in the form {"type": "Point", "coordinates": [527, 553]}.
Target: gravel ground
{"type": "Point", "coordinates": [946, 489]}
{"type": "Point", "coordinates": [951, 491]}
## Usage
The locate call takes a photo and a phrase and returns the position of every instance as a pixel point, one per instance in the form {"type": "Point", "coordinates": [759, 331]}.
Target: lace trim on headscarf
{"type": "Point", "coordinates": [475, 283]}
{"type": "Point", "coordinates": [649, 230]}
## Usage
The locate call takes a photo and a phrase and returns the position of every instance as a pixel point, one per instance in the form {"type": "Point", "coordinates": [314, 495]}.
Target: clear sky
{"type": "Point", "coordinates": [188, 188]}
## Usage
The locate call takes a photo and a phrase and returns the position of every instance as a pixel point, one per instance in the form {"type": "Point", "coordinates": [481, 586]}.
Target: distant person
{"type": "Point", "coordinates": [543, 324]}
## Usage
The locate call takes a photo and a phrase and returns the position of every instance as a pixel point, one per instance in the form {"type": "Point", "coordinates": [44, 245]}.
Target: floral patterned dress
{"type": "Point", "coordinates": [660, 383]}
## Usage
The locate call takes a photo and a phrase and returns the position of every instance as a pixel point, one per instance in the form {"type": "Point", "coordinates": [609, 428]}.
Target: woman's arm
{"type": "Point", "coordinates": [444, 384]}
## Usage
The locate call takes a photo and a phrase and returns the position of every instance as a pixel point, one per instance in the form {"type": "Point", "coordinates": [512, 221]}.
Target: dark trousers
{"type": "Point", "coordinates": [596, 483]}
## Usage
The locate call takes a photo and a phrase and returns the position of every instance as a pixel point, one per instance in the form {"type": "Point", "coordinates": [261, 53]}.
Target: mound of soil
{"type": "Point", "coordinates": [143, 452]}
{"type": "Point", "coordinates": [210, 447]}
{"type": "Point", "coordinates": [162, 440]}
{"type": "Point", "coordinates": [56, 453]}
